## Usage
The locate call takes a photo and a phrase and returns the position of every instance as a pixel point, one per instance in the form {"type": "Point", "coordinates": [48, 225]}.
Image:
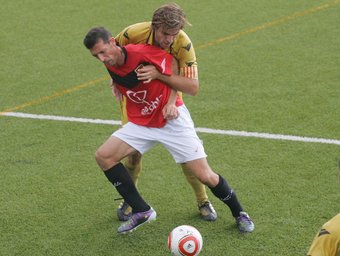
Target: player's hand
{"type": "Point", "coordinates": [170, 112]}
{"type": "Point", "coordinates": [147, 73]}
{"type": "Point", "coordinates": [115, 92]}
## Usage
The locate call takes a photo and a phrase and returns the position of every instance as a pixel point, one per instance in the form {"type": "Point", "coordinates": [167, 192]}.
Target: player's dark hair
{"type": "Point", "coordinates": [169, 16]}
{"type": "Point", "coordinates": [94, 35]}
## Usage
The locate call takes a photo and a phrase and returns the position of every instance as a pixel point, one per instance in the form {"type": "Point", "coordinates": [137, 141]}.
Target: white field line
{"type": "Point", "coordinates": [268, 136]}
{"type": "Point", "coordinates": [198, 129]}
{"type": "Point", "coordinates": [61, 118]}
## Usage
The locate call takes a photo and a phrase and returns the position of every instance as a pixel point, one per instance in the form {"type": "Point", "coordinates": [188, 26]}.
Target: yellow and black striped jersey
{"type": "Point", "coordinates": [182, 48]}
{"type": "Point", "coordinates": [327, 241]}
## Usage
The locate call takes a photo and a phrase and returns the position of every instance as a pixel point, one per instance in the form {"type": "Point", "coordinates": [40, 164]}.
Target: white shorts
{"type": "Point", "coordinates": [178, 136]}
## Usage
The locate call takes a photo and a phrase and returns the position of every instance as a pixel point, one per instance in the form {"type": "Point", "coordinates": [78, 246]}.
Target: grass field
{"type": "Point", "coordinates": [265, 66]}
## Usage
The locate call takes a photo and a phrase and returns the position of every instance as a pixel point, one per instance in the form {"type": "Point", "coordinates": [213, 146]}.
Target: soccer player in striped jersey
{"type": "Point", "coordinates": [166, 31]}
{"type": "Point", "coordinates": [327, 240]}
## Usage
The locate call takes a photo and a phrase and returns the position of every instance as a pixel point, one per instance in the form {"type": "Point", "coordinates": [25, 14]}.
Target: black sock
{"type": "Point", "coordinates": [228, 196]}
{"type": "Point", "coordinates": [121, 180]}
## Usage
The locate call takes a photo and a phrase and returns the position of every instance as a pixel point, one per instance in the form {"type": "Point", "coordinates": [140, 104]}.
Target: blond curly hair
{"type": "Point", "coordinates": [169, 16]}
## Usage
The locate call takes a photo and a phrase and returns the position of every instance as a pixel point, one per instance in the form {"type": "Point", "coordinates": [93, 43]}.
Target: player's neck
{"type": "Point", "coordinates": [121, 57]}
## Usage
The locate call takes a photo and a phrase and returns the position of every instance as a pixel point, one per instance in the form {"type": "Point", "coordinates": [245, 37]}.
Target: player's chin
{"type": "Point", "coordinates": [165, 46]}
{"type": "Point", "coordinates": [109, 63]}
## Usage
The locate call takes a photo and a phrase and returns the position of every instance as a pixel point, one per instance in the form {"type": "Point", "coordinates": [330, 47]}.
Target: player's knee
{"type": "Point", "coordinates": [98, 156]}
{"type": "Point", "coordinates": [208, 178]}
{"type": "Point", "coordinates": [204, 179]}
{"type": "Point", "coordinates": [104, 160]}
{"type": "Point", "coordinates": [101, 157]}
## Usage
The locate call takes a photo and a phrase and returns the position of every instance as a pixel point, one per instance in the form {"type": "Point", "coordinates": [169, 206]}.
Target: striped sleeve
{"type": "Point", "coordinates": [189, 72]}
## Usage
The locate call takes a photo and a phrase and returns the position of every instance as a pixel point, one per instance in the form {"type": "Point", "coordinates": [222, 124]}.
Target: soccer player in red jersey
{"type": "Point", "coordinates": [165, 30]}
{"type": "Point", "coordinates": [146, 106]}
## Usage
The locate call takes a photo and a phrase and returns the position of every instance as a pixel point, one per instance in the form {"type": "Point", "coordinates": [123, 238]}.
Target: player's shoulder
{"type": "Point", "coordinates": [136, 33]}
{"type": "Point", "coordinates": [139, 27]}
{"type": "Point", "coordinates": [333, 224]}
{"type": "Point", "coordinates": [182, 41]}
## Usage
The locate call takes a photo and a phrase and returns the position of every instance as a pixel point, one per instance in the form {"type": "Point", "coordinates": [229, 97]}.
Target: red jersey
{"type": "Point", "coordinates": [145, 101]}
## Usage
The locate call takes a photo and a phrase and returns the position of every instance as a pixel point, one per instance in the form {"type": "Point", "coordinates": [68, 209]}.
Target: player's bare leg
{"type": "Point", "coordinates": [108, 157]}
{"type": "Point", "coordinates": [133, 164]}
{"type": "Point", "coordinates": [205, 207]}
{"type": "Point", "coordinates": [220, 188]}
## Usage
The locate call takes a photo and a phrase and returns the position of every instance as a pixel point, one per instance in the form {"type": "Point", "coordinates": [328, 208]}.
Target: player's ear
{"type": "Point", "coordinates": [112, 40]}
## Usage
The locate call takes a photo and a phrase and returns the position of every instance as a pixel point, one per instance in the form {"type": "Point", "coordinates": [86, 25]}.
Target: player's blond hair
{"type": "Point", "coordinates": [169, 16]}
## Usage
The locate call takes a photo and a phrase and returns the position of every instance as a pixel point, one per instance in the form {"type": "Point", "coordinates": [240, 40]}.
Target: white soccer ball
{"type": "Point", "coordinates": [185, 241]}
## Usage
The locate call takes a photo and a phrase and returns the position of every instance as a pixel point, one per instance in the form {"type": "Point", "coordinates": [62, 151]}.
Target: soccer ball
{"type": "Point", "coordinates": [185, 241]}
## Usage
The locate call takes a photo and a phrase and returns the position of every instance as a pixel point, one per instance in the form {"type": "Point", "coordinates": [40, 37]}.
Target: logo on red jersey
{"type": "Point", "coordinates": [139, 98]}
{"type": "Point", "coordinates": [163, 63]}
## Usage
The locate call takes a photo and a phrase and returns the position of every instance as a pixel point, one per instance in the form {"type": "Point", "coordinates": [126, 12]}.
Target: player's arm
{"type": "Point", "coordinates": [179, 83]}
{"type": "Point", "coordinates": [187, 80]}
{"type": "Point", "coordinates": [170, 110]}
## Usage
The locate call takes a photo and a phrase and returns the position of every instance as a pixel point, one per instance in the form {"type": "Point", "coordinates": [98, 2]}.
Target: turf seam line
{"type": "Point", "coordinates": [270, 24]}
{"type": "Point", "coordinates": [220, 40]}
{"type": "Point", "coordinates": [55, 95]}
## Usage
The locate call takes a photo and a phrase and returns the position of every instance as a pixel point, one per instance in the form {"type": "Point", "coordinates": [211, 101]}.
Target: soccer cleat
{"type": "Point", "coordinates": [136, 220]}
{"type": "Point", "coordinates": [124, 211]}
{"type": "Point", "coordinates": [207, 211]}
{"type": "Point", "coordinates": [244, 223]}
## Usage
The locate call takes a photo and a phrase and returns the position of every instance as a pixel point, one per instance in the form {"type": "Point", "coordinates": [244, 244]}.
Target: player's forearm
{"type": "Point", "coordinates": [173, 97]}
{"type": "Point", "coordinates": [180, 83]}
